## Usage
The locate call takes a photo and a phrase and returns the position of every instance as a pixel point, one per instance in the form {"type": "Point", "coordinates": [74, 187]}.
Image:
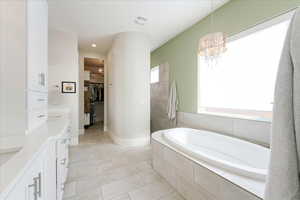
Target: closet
{"type": "Point", "coordinates": [93, 92]}
{"type": "Point", "coordinates": [93, 102]}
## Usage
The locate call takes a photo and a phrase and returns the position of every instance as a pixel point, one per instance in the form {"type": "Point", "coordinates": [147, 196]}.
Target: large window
{"type": "Point", "coordinates": [243, 80]}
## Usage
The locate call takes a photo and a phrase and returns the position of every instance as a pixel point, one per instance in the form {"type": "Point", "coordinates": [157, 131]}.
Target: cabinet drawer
{"type": "Point", "coordinates": [36, 118]}
{"type": "Point", "coordinates": [37, 101]}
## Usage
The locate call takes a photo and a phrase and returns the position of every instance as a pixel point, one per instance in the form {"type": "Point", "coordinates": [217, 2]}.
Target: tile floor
{"type": "Point", "coordinates": [101, 170]}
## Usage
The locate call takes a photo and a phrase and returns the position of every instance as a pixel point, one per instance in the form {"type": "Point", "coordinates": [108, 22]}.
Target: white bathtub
{"type": "Point", "coordinates": [228, 153]}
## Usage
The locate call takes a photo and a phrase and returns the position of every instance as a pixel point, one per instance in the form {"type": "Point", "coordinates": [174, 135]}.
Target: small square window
{"type": "Point", "coordinates": [154, 75]}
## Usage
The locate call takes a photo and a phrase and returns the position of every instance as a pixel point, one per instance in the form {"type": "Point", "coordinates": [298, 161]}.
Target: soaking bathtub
{"type": "Point", "coordinates": [234, 155]}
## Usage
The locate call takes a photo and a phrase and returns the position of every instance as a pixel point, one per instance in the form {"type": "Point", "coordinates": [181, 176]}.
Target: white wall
{"type": "Point", "coordinates": [12, 73]}
{"type": "Point", "coordinates": [84, 54]}
{"type": "Point", "coordinates": [129, 89]}
{"type": "Point", "coordinates": [64, 66]}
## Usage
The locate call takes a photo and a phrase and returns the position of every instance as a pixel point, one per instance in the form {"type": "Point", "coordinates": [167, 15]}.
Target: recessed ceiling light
{"type": "Point", "coordinates": [94, 45]}
{"type": "Point", "coordinates": [100, 70]}
{"type": "Point", "coordinates": [140, 20]}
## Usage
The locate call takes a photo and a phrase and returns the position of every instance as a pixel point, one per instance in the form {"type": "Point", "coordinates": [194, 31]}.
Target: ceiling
{"type": "Point", "coordinates": [94, 65]}
{"type": "Point", "coordinates": [96, 68]}
{"type": "Point", "coordinates": [97, 21]}
{"type": "Point", "coordinates": [93, 62]}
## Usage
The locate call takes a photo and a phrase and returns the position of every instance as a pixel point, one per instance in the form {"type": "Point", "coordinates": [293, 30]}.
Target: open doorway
{"type": "Point", "coordinates": [93, 93]}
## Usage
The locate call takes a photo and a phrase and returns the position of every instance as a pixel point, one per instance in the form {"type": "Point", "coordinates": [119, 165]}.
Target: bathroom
{"type": "Point", "coordinates": [199, 100]}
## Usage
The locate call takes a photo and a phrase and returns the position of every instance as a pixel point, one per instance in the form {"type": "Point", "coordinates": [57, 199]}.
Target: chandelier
{"type": "Point", "coordinates": [212, 45]}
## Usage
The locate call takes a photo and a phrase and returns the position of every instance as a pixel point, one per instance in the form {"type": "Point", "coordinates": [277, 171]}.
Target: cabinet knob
{"type": "Point", "coordinates": [34, 186]}
{"type": "Point", "coordinates": [63, 161]}
{"type": "Point", "coordinates": [41, 116]}
{"type": "Point", "coordinates": [42, 79]}
{"type": "Point", "coordinates": [64, 141]}
{"type": "Point", "coordinates": [39, 180]}
{"type": "Point", "coordinates": [37, 186]}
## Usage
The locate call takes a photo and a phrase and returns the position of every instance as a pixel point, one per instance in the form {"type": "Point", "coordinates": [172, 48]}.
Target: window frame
{"type": "Point", "coordinates": [257, 27]}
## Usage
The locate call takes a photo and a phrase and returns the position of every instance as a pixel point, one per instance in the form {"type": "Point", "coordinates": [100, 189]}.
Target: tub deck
{"type": "Point", "coordinates": [190, 175]}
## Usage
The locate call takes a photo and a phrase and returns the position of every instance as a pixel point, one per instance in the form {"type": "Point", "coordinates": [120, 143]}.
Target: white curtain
{"type": "Point", "coordinates": [283, 177]}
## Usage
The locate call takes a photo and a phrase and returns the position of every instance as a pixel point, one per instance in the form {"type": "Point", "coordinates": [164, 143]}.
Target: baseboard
{"type": "Point", "coordinates": [81, 131]}
{"type": "Point", "coordinates": [105, 128]}
{"type": "Point", "coordinates": [74, 141]}
{"type": "Point", "coordinates": [131, 142]}
{"type": "Point", "coordinates": [75, 137]}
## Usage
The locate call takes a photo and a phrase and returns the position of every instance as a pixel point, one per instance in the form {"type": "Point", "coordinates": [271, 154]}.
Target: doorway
{"type": "Point", "coordinates": [93, 93]}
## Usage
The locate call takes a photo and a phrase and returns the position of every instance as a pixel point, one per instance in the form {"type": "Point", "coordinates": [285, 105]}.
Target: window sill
{"type": "Point", "coordinates": [237, 116]}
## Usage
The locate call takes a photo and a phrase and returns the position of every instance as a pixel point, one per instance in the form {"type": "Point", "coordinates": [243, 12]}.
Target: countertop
{"type": "Point", "coordinates": [14, 168]}
{"type": "Point", "coordinates": [6, 156]}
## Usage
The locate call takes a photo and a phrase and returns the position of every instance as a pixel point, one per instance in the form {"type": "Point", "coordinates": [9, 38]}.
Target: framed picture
{"type": "Point", "coordinates": [68, 87]}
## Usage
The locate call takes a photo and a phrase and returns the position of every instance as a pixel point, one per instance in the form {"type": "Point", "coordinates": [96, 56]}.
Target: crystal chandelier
{"type": "Point", "coordinates": [212, 45]}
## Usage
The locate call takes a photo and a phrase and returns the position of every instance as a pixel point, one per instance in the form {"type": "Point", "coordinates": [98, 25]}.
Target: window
{"type": "Point", "coordinates": [154, 75]}
{"type": "Point", "coordinates": [243, 80]}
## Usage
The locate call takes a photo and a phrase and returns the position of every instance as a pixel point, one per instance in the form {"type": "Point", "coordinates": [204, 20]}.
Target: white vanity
{"type": "Point", "coordinates": [39, 170]}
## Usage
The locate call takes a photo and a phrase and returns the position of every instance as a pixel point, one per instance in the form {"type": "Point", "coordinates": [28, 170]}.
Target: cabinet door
{"type": "Point", "coordinates": [37, 100]}
{"type": "Point", "coordinates": [29, 187]}
{"type": "Point", "coordinates": [49, 172]}
{"type": "Point", "coordinates": [37, 45]}
{"type": "Point", "coordinates": [20, 192]}
{"type": "Point", "coordinates": [35, 182]}
{"type": "Point", "coordinates": [62, 168]}
{"type": "Point", "coordinates": [62, 162]}
{"type": "Point", "coordinates": [36, 118]}
{"type": "Point", "coordinates": [39, 181]}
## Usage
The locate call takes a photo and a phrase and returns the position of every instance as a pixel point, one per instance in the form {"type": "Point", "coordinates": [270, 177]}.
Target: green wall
{"type": "Point", "coordinates": [181, 51]}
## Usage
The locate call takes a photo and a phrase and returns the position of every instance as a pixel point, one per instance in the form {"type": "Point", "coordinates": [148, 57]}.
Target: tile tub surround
{"type": "Point", "coordinates": [159, 94]}
{"type": "Point", "coordinates": [254, 131]}
{"type": "Point", "coordinates": [195, 180]}
{"type": "Point", "coordinates": [102, 170]}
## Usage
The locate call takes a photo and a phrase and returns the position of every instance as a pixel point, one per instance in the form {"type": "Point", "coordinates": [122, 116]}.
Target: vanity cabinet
{"type": "Point", "coordinates": [37, 63]}
{"type": "Point", "coordinates": [62, 164]}
{"type": "Point", "coordinates": [49, 157]}
{"type": "Point", "coordinates": [37, 45]}
{"type": "Point", "coordinates": [29, 187]}
{"type": "Point", "coordinates": [46, 174]}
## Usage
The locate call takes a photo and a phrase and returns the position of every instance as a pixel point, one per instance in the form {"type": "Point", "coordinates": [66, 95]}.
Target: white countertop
{"type": "Point", "coordinates": [13, 169]}
{"type": "Point", "coordinates": [6, 156]}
